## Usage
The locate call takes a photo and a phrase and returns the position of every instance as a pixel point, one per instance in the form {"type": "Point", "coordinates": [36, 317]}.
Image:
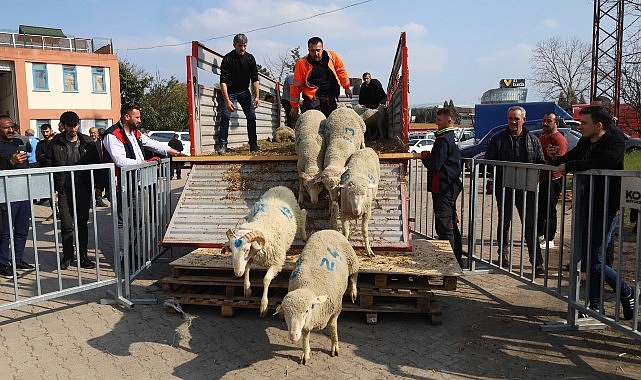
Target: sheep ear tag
{"type": "Point", "coordinates": [320, 299]}
{"type": "Point", "coordinates": [238, 242]}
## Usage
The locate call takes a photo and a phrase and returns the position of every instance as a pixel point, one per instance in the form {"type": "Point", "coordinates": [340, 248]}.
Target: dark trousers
{"type": "Point", "coordinates": [446, 222]}
{"type": "Point", "coordinates": [289, 121]}
{"type": "Point", "coordinates": [547, 225]}
{"type": "Point", "coordinates": [244, 99]}
{"type": "Point", "coordinates": [325, 104]}
{"type": "Point", "coordinates": [506, 210]}
{"type": "Point", "coordinates": [20, 216]}
{"type": "Point", "coordinates": [66, 212]}
{"type": "Point", "coordinates": [176, 167]}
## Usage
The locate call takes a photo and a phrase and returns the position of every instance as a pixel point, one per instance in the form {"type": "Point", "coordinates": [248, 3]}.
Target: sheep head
{"type": "Point", "coordinates": [298, 308]}
{"type": "Point", "coordinates": [244, 248]}
{"type": "Point", "coordinates": [331, 178]}
{"type": "Point", "coordinates": [356, 198]}
{"type": "Point", "coordinates": [312, 184]}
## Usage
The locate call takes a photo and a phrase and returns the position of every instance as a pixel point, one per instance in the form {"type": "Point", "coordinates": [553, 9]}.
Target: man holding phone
{"type": "Point", "coordinates": [554, 144]}
{"type": "Point", "coordinates": [13, 155]}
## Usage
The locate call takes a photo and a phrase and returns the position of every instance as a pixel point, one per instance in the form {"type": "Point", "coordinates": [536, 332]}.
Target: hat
{"type": "Point", "coordinates": [70, 118]}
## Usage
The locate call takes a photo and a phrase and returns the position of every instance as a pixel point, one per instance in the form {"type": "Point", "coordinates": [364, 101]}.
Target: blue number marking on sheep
{"type": "Point", "coordinates": [334, 253]}
{"type": "Point", "coordinates": [350, 130]}
{"type": "Point", "coordinates": [346, 138]}
{"type": "Point", "coordinates": [328, 265]}
{"type": "Point", "coordinates": [296, 269]}
{"type": "Point", "coordinates": [238, 242]}
{"type": "Point", "coordinates": [371, 178]}
{"type": "Point", "coordinates": [287, 212]}
{"type": "Point", "coordinates": [258, 208]}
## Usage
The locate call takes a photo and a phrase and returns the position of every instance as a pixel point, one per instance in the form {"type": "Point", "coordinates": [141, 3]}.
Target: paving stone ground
{"type": "Point", "coordinates": [491, 330]}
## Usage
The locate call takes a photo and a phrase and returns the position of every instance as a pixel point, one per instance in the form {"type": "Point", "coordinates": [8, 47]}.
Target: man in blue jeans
{"type": "Point", "coordinates": [237, 70]}
{"type": "Point", "coordinates": [12, 158]}
{"type": "Point", "coordinates": [599, 148]}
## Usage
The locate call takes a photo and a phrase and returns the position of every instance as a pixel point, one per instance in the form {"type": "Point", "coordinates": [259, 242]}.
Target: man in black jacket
{"type": "Point", "coordinates": [516, 144]}
{"type": "Point", "coordinates": [443, 165]}
{"type": "Point", "coordinates": [178, 145]}
{"type": "Point", "coordinates": [599, 148]}
{"type": "Point", "coordinates": [237, 70]}
{"type": "Point", "coordinates": [371, 92]}
{"type": "Point", "coordinates": [67, 149]}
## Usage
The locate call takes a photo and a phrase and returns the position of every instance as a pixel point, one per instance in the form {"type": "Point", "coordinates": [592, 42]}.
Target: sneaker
{"type": "Point", "coordinates": [101, 203]}
{"type": "Point", "coordinates": [5, 270]}
{"type": "Point", "coordinates": [539, 271]}
{"type": "Point", "coordinates": [23, 265]}
{"type": "Point", "coordinates": [86, 263]}
{"type": "Point", "coordinates": [627, 303]}
{"type": "Point", "coordinates": [544, 244]}
{"type": "Point", "coordinates": [505, 255]}
{"type": "Point", "coordinates": [65, 263]}
{"type": "Point", "coordinates": [585, 315]}
{"type": "Point", "coordinates": [220, 149]}
{"type": "Point", "coordinates": [254, 148]}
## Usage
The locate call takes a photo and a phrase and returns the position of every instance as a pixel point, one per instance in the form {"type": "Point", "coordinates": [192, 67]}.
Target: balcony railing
{"type": "Point", "coordinates": [80, 45]}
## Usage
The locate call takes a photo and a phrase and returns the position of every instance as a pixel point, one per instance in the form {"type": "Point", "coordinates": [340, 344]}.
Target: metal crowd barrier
{"type": "Point", "coordinates": [145, 191]}
{"type": "Point", "coordinates": [562, 276]}
{"type": "Point", "coordinates": [43, 247]}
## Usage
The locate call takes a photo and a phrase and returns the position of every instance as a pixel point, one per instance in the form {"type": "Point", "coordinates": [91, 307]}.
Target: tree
{"type": "Point", "coordinates": [630, 88]}
{"type": "Point", "coordinates": [133, 82]}
{"type": "Point", "coordinates": [561, 69]}
{"type": "Point", "coordinates": [283, 63]}
{"type": "Point", "coordinates": [165, 105]}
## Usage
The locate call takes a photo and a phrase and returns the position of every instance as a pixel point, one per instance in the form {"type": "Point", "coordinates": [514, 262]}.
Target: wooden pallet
{"type": "Point", "coordinates": [394, 282]}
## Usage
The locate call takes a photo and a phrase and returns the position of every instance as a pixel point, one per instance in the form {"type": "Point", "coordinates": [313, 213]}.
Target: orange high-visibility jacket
{"type": "Point", "coordinates": [304, 68]}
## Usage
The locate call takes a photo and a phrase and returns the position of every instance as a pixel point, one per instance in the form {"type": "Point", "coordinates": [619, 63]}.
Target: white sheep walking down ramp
{"type": "Point", "coordinates": [310, 148]}
{"type": "Point", "coordinates": [266, 237]}
{"type": "Point", "coordinates": [316, 287]}
{"type": "Point", "coordinates": [345, 135]}
{"type": "Point", "coordinates": [359, 185]}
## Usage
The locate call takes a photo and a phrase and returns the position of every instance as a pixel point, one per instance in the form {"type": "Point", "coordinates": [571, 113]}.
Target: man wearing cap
{"type": "Point", "coordinates": [72, 148]}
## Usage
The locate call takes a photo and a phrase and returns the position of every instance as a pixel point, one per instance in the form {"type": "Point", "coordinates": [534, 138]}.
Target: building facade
{"type": "Point", "coordinates": [44, 73]}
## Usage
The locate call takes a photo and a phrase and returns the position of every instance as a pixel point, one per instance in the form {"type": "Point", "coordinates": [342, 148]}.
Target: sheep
{"type": "Point", "coordinates": [310, 148]}
{"type": "Point", "coordinates": [359, 185]}
{"type": "Point", "coordinates": [316, 288]}
{"type": "Point", "coordinates": [266, 236]}
{"type": "Point", "coordinates": [345, 131]}
{"type": "Point", "coordinates": [283, 134]}
{"type": "Point", "coordinates": [375, 121]}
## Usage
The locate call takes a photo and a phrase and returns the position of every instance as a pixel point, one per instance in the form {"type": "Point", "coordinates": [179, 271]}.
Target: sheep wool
{"type": "Point", "coordinates": [316, 287]}
{"type": "Point", "coordinates": [310, 148]}
{"type": "Point", "coordinates": [345, 135]}
{"type": "Point", "coordinates": [266, 237]}
{"type": "Point", "coordinates": [283, 134]}
{"type": "Point", "coordinates": [359, 186]}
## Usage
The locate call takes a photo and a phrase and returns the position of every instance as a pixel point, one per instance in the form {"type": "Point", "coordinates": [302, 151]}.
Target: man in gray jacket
{"type": "Point", "coordinates": [516, 144]}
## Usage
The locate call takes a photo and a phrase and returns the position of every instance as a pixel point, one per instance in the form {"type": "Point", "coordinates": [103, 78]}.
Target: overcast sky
{"type": "Point", "coordinates": [457, 48]}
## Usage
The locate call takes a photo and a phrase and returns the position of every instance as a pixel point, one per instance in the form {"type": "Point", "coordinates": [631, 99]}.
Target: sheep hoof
{"type": "Point", "coordinates": [334, 351]}
{"type": "Point", "coordinates": [304, 359]}
{"type": "Point", "coordinates": [248, 292]}
{"type": "Point", "coordinates": [370, 253]}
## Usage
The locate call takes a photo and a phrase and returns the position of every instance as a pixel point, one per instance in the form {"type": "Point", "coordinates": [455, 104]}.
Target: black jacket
{"type": "Point", "coordinates": [444, 165]}
{"type": "Point", "coordinates": [58, 155]}
{"type": "Point", "coordinates": [373, 95]}
{"type": "Point", "coordinates": [176, 144]}
{"type": "Point", "coordinates": [607, 153]}
{"type": "Point", "coordinates": [237, 71]}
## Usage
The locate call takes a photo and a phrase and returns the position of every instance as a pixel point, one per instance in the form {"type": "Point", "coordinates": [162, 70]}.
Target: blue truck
{"type": "Point", "coordinates": [489, 116]}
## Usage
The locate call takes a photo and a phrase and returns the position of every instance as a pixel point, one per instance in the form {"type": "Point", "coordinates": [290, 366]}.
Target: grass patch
{"type": "Point", "coordinates": [632, 161]}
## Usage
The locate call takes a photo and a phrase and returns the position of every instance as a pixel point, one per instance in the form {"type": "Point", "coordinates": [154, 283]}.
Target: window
{"type": "Point", "coordinates": [40, 78]}
{"type": "Point", "coordinates": [101, 123]}
{"type": "Point", "coordinates": [98, 79]}
{"type": "Point", "coordinates": [69, 79]}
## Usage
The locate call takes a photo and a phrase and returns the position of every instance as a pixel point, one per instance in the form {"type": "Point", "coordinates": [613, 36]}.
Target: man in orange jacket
{"type": "Point", "coordinates": [318, 76]}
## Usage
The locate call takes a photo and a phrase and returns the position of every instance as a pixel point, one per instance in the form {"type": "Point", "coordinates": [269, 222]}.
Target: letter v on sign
{"type": "Point", "coordinates": [507, 82]}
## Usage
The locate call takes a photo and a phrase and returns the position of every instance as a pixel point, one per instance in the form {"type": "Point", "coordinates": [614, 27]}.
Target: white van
{"type": "Point", "coordinates": [165, 136]}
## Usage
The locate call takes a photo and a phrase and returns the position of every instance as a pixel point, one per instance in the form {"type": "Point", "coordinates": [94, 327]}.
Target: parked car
{"type": "Point", "coordinates": [420, 145]}
{"type": "Point", "coordinates": [165, 136]}
{"type": "Point", "coordinates": [465, 137]}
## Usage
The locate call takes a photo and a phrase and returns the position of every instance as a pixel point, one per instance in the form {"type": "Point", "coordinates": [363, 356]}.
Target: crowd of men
{"type": "Point", "coordinates": [123, 144]}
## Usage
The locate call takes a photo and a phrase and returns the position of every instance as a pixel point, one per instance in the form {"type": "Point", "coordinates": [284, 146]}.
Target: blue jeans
{"type": "Point", "coordinates": [244, 99]}
{"type": "Point", "coordinates": [596, 257]}
{"type": "Point", "coordinates": [20, 216]}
